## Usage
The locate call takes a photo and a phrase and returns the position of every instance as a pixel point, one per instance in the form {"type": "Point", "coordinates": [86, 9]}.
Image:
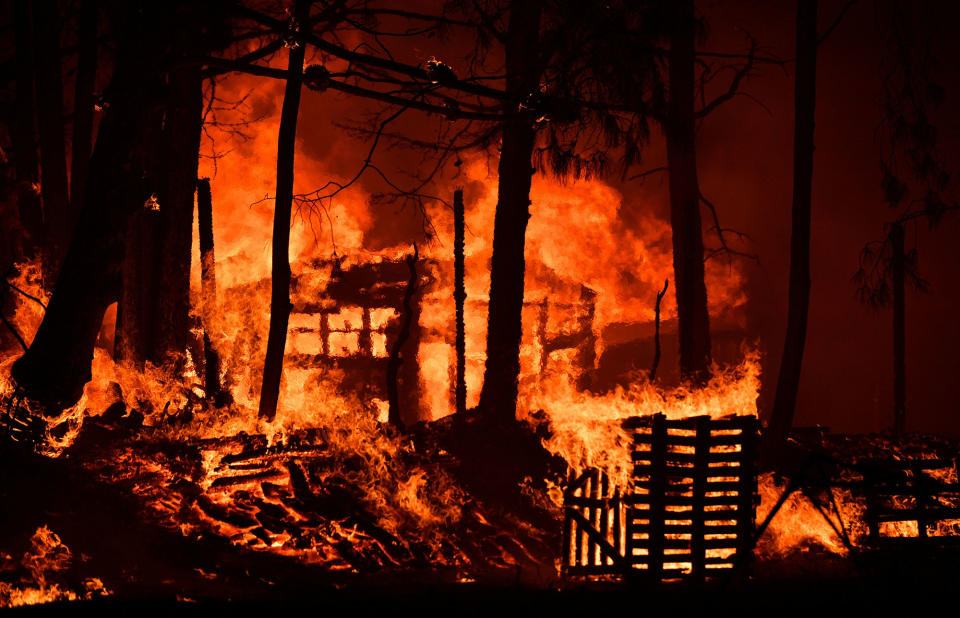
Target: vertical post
{"type": "Point", "coordinates": [365, 343]}
{"type": "Point", "coordinates": [569, 525]}
{"type": "Point", "coordinates": [898, 266]}
{"type": "Point", "coordinates": [580, 534]}
{"type": "Point", "coordinates": [459, 295]}
{"type": "Point", "coordinates": [325, 333]}
{"type": "Point", "coordinates": [605, 514]}
{"type": "Point", "coordinates": [745, 496]}
{"type": "Point", "coordinates": [658, 480]}
{"type": "Point", "coordinates": [698, 553]}
{"type": "Point", "coordinates": [618, 513]}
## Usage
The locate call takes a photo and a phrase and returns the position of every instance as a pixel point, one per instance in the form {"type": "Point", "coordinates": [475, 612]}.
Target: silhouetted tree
{"type": "Point", "coordinates": [124, 174]}
{"type": "Point", "coordinates": [23, 132]}
{"type": "Point", "coordinates": [916, 183]}
{"type": "Point", "coordinates": [81, 142]}
{"type": "Point", "coordinates": [280, 274]}
{"type": "Point", "coordinates": [680, 131]}
{"type": "Point", "coordinates": [504, 328]}
{"type": "Point", "coordinates": [57, 217]}
{"type": "Point", "coordinates": [788, 381]}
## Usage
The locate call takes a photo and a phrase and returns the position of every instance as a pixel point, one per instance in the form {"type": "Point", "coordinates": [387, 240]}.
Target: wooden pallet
{"type": "Point", "coordinates": [688, 512]}
{"type": "Point", "coordinates": [907, 495]}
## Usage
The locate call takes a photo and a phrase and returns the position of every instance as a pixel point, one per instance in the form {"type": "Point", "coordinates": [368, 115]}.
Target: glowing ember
{"type": "Point", "coordinates": [40, 574]}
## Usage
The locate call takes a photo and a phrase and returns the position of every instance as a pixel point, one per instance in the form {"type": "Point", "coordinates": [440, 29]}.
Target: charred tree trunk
{"type": "Point", "coordinates": [23, 133]}
{"type": "Point", "coordinates": [788, 381]}
{"type": "Point", "coordinates": [680, 130]}
{"type": "Point", "coordinates": [397, 357]}
{"type": "Point", "coordinates": [459, 296]}
{"type": "Point", "coordinates": [898, 266]}
{"type": "Point", "coordinates": [58, 220]}
{"type": "Point", "coordinates": [208, 289]}
{"type": "Point", "coordinates": [280, 274]}
{"type": "Point", "coordinates": [82, 139]}
{"type": "Point", "coordinates": [181, 141]}
{"type": "Point", "coordinates": [153, 320]}
{"type": "Point", "coordinates": [498, 397]}
{"type": "Point", "coordinates": [137, 309]}
{"type": "Point", "coordinates": [57, 365]}
{"type": "Point", "coordinates": [656, 331]}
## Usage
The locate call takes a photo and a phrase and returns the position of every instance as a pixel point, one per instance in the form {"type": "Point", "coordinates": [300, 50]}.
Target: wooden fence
{"type": "Point", "coordinates": [688, 512]}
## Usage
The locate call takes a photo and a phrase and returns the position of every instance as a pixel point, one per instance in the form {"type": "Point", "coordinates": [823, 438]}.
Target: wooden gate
{"type": "Point", "coordinates": [688, 512]}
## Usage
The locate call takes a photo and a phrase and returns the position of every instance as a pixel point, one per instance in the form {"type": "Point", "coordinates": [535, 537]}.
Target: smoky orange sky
{"type": "Point", "coordinates": [745, 158]}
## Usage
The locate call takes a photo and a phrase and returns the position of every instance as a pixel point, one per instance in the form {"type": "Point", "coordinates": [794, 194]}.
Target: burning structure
{"type": "Point", "coordinates": [550, 380]}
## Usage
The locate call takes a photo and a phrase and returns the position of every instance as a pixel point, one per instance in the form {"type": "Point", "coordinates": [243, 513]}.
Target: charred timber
{"type": "Point", "coordinates": [396, 352]}
{"type": "Point", "coordinates": [656, 330]}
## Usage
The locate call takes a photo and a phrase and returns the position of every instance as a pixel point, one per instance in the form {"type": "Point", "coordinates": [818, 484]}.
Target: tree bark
{"type": "Point", "coordinates": [208, 289]}
{"type": "Point", "coordinates": [23, 133]}
{"type": "Point", "coordinates": [181, 139]}
{"type": "Point", "coordinates": [154, 311]}
{"type": "Point", "coordinates": [898, 264]}
{"type": "Point", "coordinates": [58, 220]}
{"type": "Point", "coordinates": [82, 140]}
{"type": "Point", "coordinates": [57, 365]}
{"type": "Point", "coordinates": [788, 381]}
{"type": "Point", "coordinates": [280, 274]}
{"type": "Point", "coordinates": [498, 398]}
{"type": "Point", "coordinates": [680, 129]}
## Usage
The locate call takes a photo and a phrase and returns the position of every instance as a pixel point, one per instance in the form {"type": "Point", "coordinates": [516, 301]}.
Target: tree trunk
{"type": "Point", "coordinates": [58, 220]}
{"type": "Point", "coordinates": [280, 274]}
{"type": "Point", "coordinates": [788, 381]}
{"type": "Point", "coordinates": [23, 134]}
{"type": "Point", "coordinates": [57, 365]}
{"type": "Point", "coordinates": [680, 130]}
{"type": "Point", "coordinates": [82, 140]}
{"type": "Point", "coordinates": [459, 297]}
{"type": "Point", "coordinates": [137, 310]}
{"type": "Point", "coordinates": [898, 264]}
{"type": "Point", "coordinates": [208, 289]}
{"type": "Point", "coordinates": [498, 398]}
{"type": "Point", "coordinates": [184, 119]}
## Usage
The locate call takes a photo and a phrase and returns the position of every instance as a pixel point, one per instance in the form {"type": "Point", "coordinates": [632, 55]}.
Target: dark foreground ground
{"type": "Point", "coordinates": [154, 571]}
{"type": "Point", "coordinates": [814, 598]}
